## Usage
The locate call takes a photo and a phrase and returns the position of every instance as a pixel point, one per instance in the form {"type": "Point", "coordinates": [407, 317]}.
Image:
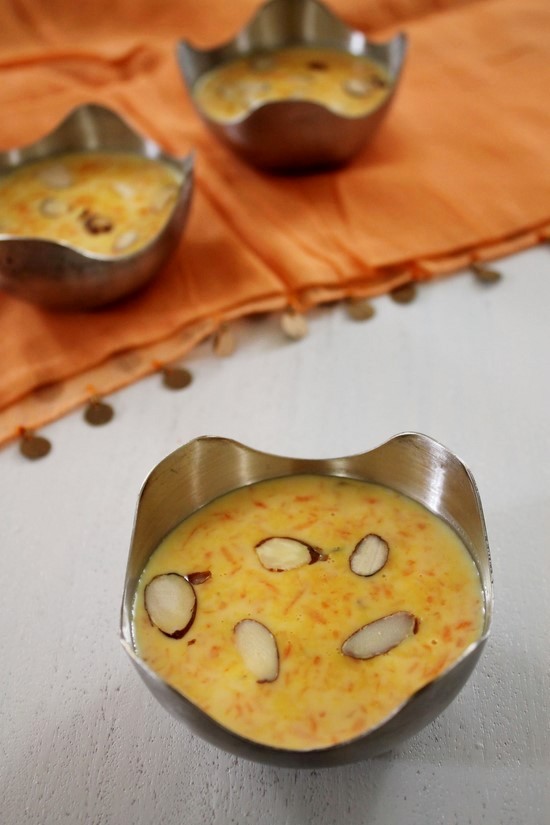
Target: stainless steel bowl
{"type": "Point", "coordinates": [60, 276]}
{"type": "Point", "coordinates": [206, 468]}
{"type": "Point", "coordinates": [294, 135]}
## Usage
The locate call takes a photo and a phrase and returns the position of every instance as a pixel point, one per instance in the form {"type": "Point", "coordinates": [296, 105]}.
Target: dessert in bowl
{"type": "Point", "coordinates": [307, 613]}
{"type": "Point", "coordinates": [89, 213]}
{"type": "Point", "coordinates": [296, 89]}
{"type": "Point", "coordinates": [348, 85]}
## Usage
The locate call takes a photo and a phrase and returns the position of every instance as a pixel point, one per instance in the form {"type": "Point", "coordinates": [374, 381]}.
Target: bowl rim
{"type": "Point", "coordinates": [475, 646]}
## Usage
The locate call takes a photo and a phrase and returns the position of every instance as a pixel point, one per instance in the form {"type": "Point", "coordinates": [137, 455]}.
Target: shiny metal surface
{"type": "Point", "coordinates": [206, 468]}
{"type": "Point", "coordinates": [296, 135]}
{"type": "Point", "coordinates": [59, 276]}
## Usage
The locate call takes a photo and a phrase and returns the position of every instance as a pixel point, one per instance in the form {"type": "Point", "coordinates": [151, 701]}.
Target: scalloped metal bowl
{"type": "Point", "coordinates": [294, 135]}
{"type": "Point", "coordinates": [206, 468]}
{"type": "Point", "coordinates": [60, 276]}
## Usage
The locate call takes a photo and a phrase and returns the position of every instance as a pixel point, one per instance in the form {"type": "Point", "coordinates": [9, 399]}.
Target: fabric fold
{"type": "Point", "coordinates": [458, 172]}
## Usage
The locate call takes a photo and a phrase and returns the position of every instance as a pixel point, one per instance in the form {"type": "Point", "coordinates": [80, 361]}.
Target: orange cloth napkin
{"type": "Point", "coordinates": [460, 171]}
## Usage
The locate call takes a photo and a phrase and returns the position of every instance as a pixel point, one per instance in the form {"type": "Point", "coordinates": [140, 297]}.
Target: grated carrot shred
{"type": "Point", "coordinates": [228, 555]}
{"type": "Point", "coordinates": [294, 600]}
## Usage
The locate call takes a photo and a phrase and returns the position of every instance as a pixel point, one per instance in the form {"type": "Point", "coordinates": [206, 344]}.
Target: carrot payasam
{"type": "Point", "coordinates": [300, 612]}
{"type": "Point", "coordinates": [349, 85]}
{"type": "Point", "coordinates": [104, 203]}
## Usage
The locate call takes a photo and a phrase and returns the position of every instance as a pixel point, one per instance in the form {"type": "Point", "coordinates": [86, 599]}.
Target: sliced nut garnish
{"type": "Point", "coordinates": [317, 65]}
{"type": "Point", "coordinates": [171, 604]}
{"type": "Point", "coordinates": [262, 62]}
{"type": "Point", "coordinates": [258, 649]}
{"type": "Point", "coordinates": [360, 309]}
{"type": "Point", "coordinates": [251, 90]}
{"type": "Point", "coordinates": [163, 197]}
{"type": "Point", "coordinates": [380, 636]}
{"type": "Point", "coordinates": [53, 207]}
{"type": "Point", "coordinates": [294, 325]}
{"type": "Point", "coordinates": [199, 577]}
{"type": "Point", "coordinates": [124, 189]}
{"type": "Point", "coordinates": [357, 86]}
{"type": "Point", "coordinates": [125, 240]}
{"type": "Point", "coordinates": [370, 555]}
{"type": "Point", "coordinates": [225, 342]}
{"type": "Point", "coordinates": [301, 84]}
{"type": "Point", "coordinates": [96, 224]}
{"type": "Point", "coordinates": [279, 553]}
{"type": "Point", "coordinates": [228, 92]}
{"type": "Point", "coordinates": [56, 175]}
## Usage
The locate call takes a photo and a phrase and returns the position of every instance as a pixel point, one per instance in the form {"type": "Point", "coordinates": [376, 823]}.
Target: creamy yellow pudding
{"type": "Point", "coordinates": [300, 612]}
{"type": "Point", "coordinates": [107, 203]}
{"type": "Point", "coordinates": [348, 85]}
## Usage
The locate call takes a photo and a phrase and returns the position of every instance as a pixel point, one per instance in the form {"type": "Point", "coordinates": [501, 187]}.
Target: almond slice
{"type": "Point", "coordinates": [317, 65]}
{"type": "Point", "coordinates": [171, 604]}
{"type": "Point", "coordinates": [254, 90]}
{"type": "Point", "coordinates": [370, 555]}
{"type": "Point", "coordinates": [279, 553]}
{"type": "Point", "coordinates": [96, 224]}
{"type": "Point", "coordinates": [199, 577]}
{"type": "Point", "coordinates": [357, 86]}
{"type": "Point", "coordinates": [125, 190]}
{"type": "Point", "coordinates": [258, 649]}
{"type": "Point", "coordinates": [125, 240]}
{"type": "Point", "coordinates": [380, 636]}
{"type": "Point", "coordinates": [56, 175]}
{"type": "Point", "coordinates": [167, 194]}
{"type": "Point", "coordinates": [53, 208]}
{"type": "Point", "coordinates": [262, 62]}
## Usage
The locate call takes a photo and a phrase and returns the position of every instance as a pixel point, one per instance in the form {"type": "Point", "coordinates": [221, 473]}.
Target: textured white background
{"type": "Point", "coordinates": [81, 739]}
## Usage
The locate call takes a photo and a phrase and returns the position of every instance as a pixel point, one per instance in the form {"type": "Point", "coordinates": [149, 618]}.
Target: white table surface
{"type": "Point", "coordinates": [82, 740]}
